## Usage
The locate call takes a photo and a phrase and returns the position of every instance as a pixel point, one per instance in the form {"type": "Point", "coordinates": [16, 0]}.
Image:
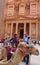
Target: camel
{"type": "Point", "coordinates": [21, 51]}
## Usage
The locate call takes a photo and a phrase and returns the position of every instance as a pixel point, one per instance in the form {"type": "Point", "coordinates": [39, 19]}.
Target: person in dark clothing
{"type": "Point", "coordinates": [14, 40]}
{"type": "Point", "coordinates": [26, 59]}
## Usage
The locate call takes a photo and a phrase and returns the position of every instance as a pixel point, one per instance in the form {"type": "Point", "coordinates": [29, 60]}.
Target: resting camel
{"type": "Point", "coordinates": [21, 51]}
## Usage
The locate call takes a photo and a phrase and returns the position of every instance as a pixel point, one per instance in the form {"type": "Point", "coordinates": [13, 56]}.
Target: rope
{"type": "Point", "coordinates": [4, 60]}
{"type": "Point", "coordinates": [1, 62]}
{"type": "Point", "coordinates": [12, 62]}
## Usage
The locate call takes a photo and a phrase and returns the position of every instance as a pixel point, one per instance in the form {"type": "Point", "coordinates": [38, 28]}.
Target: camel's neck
{"type": "Point", "coordinates": [18, 57]}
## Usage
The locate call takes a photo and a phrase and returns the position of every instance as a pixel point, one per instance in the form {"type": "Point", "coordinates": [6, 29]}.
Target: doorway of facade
{"type": "Point", "coordinates": [21, 30]}
{"type": "Point", "coordinates": [21, 33]}
{"type": "Point", "coordinates": [27, 28]}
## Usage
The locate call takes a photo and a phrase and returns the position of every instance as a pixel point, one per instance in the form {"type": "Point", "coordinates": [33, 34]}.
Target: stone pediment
{"type": "Point", "coordinates": [20, 17]}
{"type": "Point", "coordinates": [24, 17]}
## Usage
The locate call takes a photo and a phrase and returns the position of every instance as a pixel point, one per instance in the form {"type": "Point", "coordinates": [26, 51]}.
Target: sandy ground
{"type": "Point", "coordinates": [34, 60]}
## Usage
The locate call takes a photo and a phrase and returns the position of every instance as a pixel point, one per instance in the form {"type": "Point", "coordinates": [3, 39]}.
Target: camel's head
{"type": "Point", "coordinates": [26, 49]}
{"type": "Point", "coordinates": [34, 50]}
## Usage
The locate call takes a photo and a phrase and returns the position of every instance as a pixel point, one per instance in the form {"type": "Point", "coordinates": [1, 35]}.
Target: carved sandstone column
{"type": "Point", "coordinates": [11, 29]}
{"type": "Point", "coordinates": [16, 28]}
{"type": "Point", "coordinates": [6, 30]}
{"type": "Point", "coordinates": [30, 29]}
{"type": "Point", "coordinates": [36, 31]}
{"type": "Point", "coordinates": [24, 29]}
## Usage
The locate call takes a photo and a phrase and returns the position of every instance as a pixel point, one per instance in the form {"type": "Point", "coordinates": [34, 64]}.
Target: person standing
{"type": "Point", "coordinates": [14, 40]}
{"type": "Point", "coordinates": [27, 40]}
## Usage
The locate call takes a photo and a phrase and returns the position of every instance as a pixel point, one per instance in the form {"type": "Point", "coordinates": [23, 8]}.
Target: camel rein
{"type": "Point", "coordinates": [8, 62]}
{"type": "Point", "coordinates": [12, 62]}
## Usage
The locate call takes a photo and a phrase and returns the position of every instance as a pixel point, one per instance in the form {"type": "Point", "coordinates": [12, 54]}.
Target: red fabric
{"type": "Point", "coordinates": [13, 49]}
{"type": "Point", "coordinates": [9, 49]}
{"type": "Point", "coordinates": [3, 40]}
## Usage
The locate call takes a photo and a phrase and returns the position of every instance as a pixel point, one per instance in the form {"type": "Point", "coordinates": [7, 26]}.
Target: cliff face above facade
{"type": "Point", "coordinates": [1, 16]}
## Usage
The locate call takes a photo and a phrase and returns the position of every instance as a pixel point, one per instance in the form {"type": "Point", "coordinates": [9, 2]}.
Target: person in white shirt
{"type": "Point", "coordinates": [27, 40]}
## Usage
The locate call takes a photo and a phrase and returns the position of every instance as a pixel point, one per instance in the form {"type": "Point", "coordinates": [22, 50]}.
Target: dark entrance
{"type": "Point", "coordinates": [21, 33]}
{"type": "Point", "coordinates": [27, 28]}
